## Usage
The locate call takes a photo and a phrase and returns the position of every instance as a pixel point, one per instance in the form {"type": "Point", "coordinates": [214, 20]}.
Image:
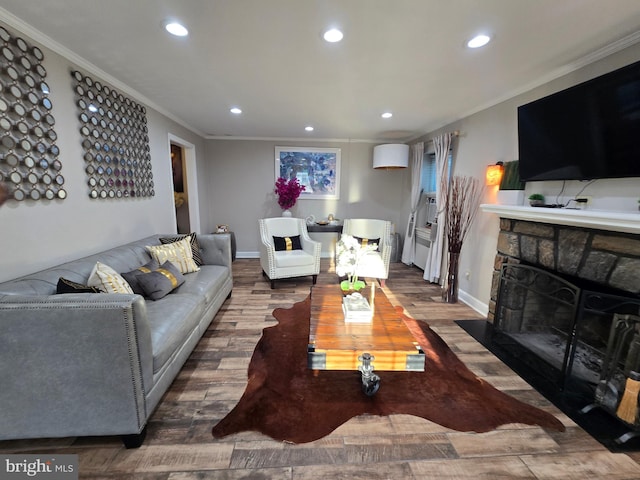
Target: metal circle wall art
{"type": "Point", "coordinates": [28, 153]}
{"type": "Point", "coordinates": [115, 141]}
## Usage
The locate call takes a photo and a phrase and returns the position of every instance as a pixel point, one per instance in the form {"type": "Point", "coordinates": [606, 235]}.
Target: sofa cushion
{"type": "Point", "coordinates": [293, 258]}
{"type": "Point", "coordinates": [68, 286]}
{"type": "Point", "coordinates": [172, 319]}
{"type": "Point", "coordinates": [107, 279]}
{"type": "Point", "coordinates": [161, 281]}
{"type": "Point", "coordinates": [178, 253]}
{"type": "Point", "coordinates": [207, 282]}
{"type": "Point", "coordinates": [131, 279]}
{"type": "Point", "coordinates": [195, 246]}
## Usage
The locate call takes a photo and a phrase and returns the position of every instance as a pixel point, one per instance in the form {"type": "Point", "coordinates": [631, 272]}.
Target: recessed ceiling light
{"type": "Point", "coordinates": [333, 35]}
{"type": "Point", "coordinates": [309, 128]}
{"type": "Point", "coordinates": [478, 41]}
{"type": "Point", "coordinates": [387, 115]}
{"type": "Point", "coordinates": [177, 29]}
{"type": "Point", "coordinates": [236, 110]}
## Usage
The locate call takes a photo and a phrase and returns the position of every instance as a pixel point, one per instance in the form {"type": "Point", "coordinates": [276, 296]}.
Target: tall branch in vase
{"type": "Point", "coordinates": [462, 201]}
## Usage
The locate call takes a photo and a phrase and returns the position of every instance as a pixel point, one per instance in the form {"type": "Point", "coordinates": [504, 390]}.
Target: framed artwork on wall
{"type": "Point", "coordinates": [318, 169]}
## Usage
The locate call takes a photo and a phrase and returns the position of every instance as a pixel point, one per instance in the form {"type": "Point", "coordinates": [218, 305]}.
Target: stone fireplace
{"type": "Point", "coordinates": [565, 302]}
{"type": "Point", "coordinates": [602, 259]}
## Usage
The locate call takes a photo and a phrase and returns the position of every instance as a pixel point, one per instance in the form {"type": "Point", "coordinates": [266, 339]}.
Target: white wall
{"type": "Point", "coordinates": [241, 180]}
{"type": "Point", "coordinates": [36, 235]}
{"type": "Point", "coordinates": [490, 136]}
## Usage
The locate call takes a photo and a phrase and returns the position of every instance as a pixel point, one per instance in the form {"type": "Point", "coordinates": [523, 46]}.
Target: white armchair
{"type": "Point", "coordinates": [375, 264]}
{"type": "Point", "coordinates": [286, 250]}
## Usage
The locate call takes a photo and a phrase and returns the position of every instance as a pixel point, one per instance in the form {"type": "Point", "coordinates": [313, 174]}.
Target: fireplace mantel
{"type": "Point", "coordinates": [596, 219]}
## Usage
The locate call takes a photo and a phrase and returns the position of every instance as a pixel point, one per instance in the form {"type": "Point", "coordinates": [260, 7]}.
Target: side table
{"type": "Point", "coordinates": [233, 243]}
{"type": "Point", "coordinates": [327, 235]}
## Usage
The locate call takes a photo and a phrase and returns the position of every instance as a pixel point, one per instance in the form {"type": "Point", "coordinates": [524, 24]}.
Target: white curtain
{"type": "Point", "coordinates": [432, 270]}
{"type": "Point", "coordinates": [408, 250]}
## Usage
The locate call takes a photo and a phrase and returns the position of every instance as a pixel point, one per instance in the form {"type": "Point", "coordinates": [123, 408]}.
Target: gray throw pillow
{"type": "Point", "coordinates": [161, 281]}
{"type": "Point", "coordinates": [131, 277]}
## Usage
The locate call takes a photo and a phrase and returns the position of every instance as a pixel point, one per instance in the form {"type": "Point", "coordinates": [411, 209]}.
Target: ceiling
{"type": "Point", "coordinates": [268, 57]}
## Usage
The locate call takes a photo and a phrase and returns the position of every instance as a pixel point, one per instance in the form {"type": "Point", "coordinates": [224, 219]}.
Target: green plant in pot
{"type": "Point", "coordinates": [536, 199]}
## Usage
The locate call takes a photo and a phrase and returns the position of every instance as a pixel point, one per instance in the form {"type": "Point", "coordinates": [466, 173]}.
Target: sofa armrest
{"type": "Point", "coordinates": [216, 248]}
{"type": "Point", "coordinates": [73, 365]}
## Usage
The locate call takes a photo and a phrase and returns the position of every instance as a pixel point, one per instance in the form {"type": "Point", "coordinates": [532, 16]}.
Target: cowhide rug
{"type": "Point", "coordinates": [287, 401]}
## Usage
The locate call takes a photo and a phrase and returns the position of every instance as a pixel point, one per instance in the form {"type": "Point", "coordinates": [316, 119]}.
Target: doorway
{"type": "Point", "coordinates": [185, 188]}
{"type": "Point", "coordinates": [180, 197]}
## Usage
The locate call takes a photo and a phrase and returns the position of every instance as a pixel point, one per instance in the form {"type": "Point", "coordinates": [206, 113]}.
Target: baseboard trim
{"type": "Point", "coordinates": [247, 254]}
{"type": "Point", "coordinates": [480, 307]}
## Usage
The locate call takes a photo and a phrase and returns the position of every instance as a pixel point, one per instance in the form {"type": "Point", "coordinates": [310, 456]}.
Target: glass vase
{"type": "Point", "coordinates": [450, 292]}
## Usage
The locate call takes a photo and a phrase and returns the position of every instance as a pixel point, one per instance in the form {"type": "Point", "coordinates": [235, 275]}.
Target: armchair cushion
{"type": "Point", "coordinates": [293, 258]}
{"type": "Point", "coordinates": [287, 243]}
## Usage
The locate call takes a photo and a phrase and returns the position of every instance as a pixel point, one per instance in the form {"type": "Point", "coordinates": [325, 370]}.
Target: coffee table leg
{"type": "Point", "coordinates": [370, 381]}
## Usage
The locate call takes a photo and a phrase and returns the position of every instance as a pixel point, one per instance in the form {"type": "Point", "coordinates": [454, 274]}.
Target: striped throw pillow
{"type": "Point", "coordinates": [195, 246]}
{"type": "Point", "coordinates": [179, 253]}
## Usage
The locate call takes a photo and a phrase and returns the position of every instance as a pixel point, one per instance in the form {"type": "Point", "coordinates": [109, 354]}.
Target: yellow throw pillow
{"type": "Point", "coordinates": [179, 253]}
{"type": "Point", "coordinates": [107, 279]}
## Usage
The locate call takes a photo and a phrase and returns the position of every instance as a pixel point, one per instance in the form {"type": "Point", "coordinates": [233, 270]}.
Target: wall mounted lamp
{"type": "Point", "coordinates": [391, 155]}
{"type": "Point", "coordinates": [494, 174]}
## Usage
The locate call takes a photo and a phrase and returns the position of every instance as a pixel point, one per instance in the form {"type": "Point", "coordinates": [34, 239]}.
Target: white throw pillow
{"type": "Point", "coordinates": [179, 253]}
{"type": "Point", "coordinates": [107, 279]}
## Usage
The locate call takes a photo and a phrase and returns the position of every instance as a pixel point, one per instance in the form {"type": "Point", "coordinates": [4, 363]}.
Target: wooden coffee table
{"type": "Point", "coordinates": [386, 343]}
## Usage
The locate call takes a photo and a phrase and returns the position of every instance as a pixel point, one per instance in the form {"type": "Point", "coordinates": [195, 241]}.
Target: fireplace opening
{"type": "Point", "coordinates": [584, 343]}
{"type": "Point", "coordinates": [535, 312]}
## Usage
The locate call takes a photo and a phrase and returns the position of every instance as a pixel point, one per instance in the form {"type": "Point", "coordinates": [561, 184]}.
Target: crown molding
{"type": "Point", "coordinates": [295, 139]}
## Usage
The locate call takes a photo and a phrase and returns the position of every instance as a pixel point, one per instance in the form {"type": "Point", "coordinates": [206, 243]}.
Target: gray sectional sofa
{"type": "Point", "coordinates": [98, 364]}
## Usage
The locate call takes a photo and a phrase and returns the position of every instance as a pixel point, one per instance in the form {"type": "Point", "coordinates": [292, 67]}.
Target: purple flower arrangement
{"type": "Point", "coordinates": [288, 192]}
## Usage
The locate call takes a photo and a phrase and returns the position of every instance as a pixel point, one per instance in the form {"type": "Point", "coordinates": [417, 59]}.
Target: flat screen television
{"type": "Point", "coordinates": [588, 131]}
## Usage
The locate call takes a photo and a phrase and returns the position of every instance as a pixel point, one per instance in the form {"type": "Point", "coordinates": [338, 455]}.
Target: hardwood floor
{"type": "Point", "coordinates": [179, 445]}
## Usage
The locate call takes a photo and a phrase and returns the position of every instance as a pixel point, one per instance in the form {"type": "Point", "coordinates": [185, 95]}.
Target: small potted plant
{"type": "Point", "coordinates": [536, 199]}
